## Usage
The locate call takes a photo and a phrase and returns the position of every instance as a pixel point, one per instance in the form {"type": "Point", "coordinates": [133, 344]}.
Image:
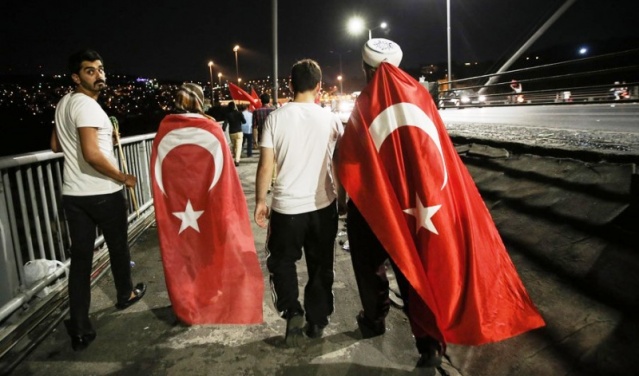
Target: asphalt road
{"type": "Point", "coordinates": [622, 117]}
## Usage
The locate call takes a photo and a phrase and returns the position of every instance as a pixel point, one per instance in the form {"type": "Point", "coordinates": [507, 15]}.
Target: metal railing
{"type": "Point", "coordinates": [32, 227]}
{"type": "Point", "coordinates": [608, 77]}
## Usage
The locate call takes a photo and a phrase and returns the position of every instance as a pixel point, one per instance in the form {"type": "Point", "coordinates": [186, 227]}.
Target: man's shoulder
{"type": "Point", "coordinates": [265, 110]}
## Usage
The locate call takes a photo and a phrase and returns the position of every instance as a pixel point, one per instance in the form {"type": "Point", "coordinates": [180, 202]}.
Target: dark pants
{"type": "Point", "coordinates": [369, 265]}
{"type": "Point", "coordinates": [84, 214]}
{"type": "Point", "coordinates": [287, 234]}
{"type": "Point", "coordinates": [248, 140]}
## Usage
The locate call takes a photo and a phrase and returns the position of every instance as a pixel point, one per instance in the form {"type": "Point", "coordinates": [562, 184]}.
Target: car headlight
{"type": "Point", "coordinates": [482, 98]}
{"type": "Point", "coordinates": [465, 99]}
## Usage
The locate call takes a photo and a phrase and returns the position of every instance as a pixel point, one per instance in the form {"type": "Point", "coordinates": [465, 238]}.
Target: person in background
{"type": "Point", "coordinates": [235, 119]}
{"type": "Point", "coordinates": [302, 138]}
{"type": "Point", "coordinates": [518, 97]}
{"type": "Point", "coordinates": [216, 111]}
{"type": "Point", "coordinates": [247, 129]}
{"type": "Point", "coordinates": [259, 117]}
{"type": "Point", "coordinates": [92, 193]}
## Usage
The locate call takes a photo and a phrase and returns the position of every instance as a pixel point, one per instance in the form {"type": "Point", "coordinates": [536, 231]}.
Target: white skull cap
{"type": "Point", "coordinates": [378, 50]}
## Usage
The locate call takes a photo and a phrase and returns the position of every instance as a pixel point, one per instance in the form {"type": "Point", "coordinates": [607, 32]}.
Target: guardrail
{"type": "Point", "coordinates": [609, 77]}
{"type": "Point", "coordinates": [32, 227]}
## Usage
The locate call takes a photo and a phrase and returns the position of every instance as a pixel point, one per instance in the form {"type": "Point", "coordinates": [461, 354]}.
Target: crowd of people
{"type": "Point", "coordinates": [311, 170]}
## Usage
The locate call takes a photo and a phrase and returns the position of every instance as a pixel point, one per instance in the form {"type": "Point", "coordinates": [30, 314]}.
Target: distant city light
{"type": "Point", "coordinates": [583, 51]}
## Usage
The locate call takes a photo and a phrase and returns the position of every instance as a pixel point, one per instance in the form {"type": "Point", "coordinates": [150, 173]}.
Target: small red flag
{"type": "Point", "coordinates": [210, 264]}
{"type": "Point", "coordinates": [240, 95]}
{"type": "Point", "coordinates": [401, 170]}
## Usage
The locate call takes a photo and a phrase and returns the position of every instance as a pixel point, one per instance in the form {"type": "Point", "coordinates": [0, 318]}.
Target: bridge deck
{"type": "Point", "coordinates": [562, 221]}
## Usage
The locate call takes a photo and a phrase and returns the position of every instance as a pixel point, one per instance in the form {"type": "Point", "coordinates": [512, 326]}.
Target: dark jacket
{"type": "Point", "coordinates": [235, 119]}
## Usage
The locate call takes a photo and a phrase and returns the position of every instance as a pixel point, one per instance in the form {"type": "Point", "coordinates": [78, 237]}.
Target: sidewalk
{"type": "Point", "coordinates": [558, 218]}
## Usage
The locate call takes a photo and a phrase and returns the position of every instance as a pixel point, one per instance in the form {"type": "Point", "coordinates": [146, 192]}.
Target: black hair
{"type": "Point", "coordinates": [76, 59]}
{"type": "Point", "coordinates": [265, 98]}
{"type": "Point", "coordinates": [305, 75]}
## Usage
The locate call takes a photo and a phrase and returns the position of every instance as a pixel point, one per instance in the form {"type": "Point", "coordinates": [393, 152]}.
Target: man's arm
{"type": "Point", "coordinates": [94, 157]}
{"type": "Point", "coordinates": [55, 143]}
{"type": "Point", "coordinates": [262, 183]}
{"type": "Point", "coordinates": [341, 192]}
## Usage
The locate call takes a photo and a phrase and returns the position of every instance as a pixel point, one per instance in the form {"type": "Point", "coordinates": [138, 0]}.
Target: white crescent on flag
{"type": "Point", "coordinates": [193, 136]}
{"type": "Point", "coordinates": [404, 115]}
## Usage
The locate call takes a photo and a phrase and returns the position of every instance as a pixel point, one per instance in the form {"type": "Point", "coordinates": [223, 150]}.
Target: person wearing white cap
{"type": "Point", "coordinates": [369, 256]}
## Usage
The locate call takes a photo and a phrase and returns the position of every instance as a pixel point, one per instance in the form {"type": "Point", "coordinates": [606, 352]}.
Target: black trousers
{"type": "Point", "coordinates": [287, 235]}
{"type": "Point", "coordinates": [84, 214]}
{"type": "Point", "coordinates": [369, 265]}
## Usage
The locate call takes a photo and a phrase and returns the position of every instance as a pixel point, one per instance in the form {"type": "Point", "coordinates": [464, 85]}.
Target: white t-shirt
{"type": "Point", "coordinates": [303, 138]}
{"type": "Point", "coordinates": [248, 126]}
{"type": "Point", "coordinates": [76, 110]}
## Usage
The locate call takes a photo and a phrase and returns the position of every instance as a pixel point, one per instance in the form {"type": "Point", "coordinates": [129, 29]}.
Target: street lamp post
{"type": "Point", "coordinates": [219, 80]}
{"type": "Point", "coordinates": [339, 78]}
{"type": "Point", "coordinates": [383, 25]}
{"type": "Point", "coordinates": [211, 81]}
{"type": "Point", "coordinates": [340, 61]}
{"type": "Point", "coordinates": [356, 25]}
{"type": "Point", "coordinates": [450, 71]}
{"type": "Point", "coordinates": [237, 69]}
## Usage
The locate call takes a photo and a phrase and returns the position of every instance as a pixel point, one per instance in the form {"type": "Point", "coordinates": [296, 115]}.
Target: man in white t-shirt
{"type": "Point", "coordinates": [301, 139]}
{"type": "Point", "coordinates": [247, 129]}
{"type": "Point", "coordinates": [91, 193]}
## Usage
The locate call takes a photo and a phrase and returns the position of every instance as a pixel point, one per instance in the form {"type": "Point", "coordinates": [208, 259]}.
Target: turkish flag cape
{"type": "Point", "coordinates": [210, 264]}
{"type": "Point", "coordinates": [400, 168]}
{"type": "Point", "coordinates": [240, 95]}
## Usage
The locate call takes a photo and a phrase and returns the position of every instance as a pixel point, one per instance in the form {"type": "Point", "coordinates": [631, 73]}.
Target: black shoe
{"type": "Point", "coordinates": [295, 330]}
{"type": "Point", "coordinates": [314, 331]}
{"type": "Point", "coordinates": [368, 328]}
{"type": "Point", "coordinates": [237, 163]}
{"type": "Point", "coordinates": [138, 292]}
{"type": "Point", "coordinates": [81, 342]}
{"type": "Point", "coordinates": [431, 356]}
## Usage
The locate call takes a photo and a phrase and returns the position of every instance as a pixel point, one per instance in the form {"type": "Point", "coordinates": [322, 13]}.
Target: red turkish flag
{"type": "Point", "coordinates": [210, 264]}
{"type": "Point", "coordinates": [401, 170]}
{"type": "Point", "coordinates": [240, 95]}
{"type": "Point", "coordinates": [254, 95]}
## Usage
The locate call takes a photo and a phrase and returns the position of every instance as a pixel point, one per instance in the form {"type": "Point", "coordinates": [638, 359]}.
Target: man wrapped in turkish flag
{"type": "Point", "coordinates": [210, 264]}
{"type": "Point", "coordinates": [400, 168]}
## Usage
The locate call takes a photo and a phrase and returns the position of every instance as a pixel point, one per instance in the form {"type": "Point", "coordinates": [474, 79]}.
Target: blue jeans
{"type": "Point", "coordinates": [248, 139]}
{"type": "Point", "coordinates": [84, 214]}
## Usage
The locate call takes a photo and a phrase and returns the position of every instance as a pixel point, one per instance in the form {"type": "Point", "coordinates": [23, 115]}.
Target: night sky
{"type": "Point", "coordinates": [176, 39]}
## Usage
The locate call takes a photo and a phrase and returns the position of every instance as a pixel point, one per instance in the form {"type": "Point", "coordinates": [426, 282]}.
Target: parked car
{"type": "Point", "coordinates": [461, 98]}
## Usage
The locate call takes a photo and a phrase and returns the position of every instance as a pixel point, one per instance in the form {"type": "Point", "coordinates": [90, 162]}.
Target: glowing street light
{"type": "Point", "coordinates": [339, 78]}
{"type": "Point", "coordinates": [237, 69]}
{"type": "Point", "coordinates": [356, 25]}
{"type": "Point", "coordinates": [211, 81]}
{"type": "Point", "coordinates": [219, 79]}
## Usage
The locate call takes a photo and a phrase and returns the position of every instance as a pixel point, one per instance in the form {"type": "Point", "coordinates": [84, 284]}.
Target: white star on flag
{"type": "Point", "coordinates": [423, 215]}
{"type": "Point", "coordinates": [189, 217]}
